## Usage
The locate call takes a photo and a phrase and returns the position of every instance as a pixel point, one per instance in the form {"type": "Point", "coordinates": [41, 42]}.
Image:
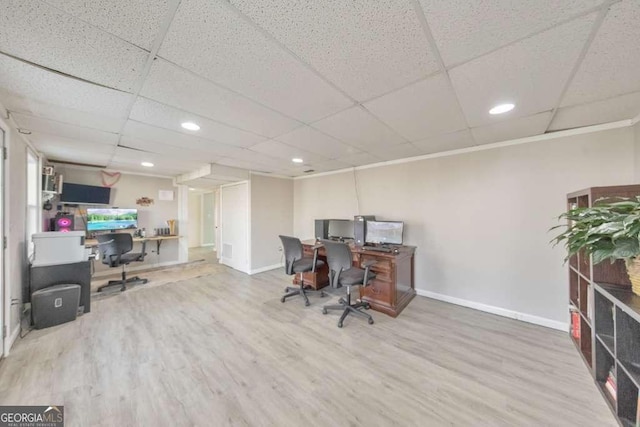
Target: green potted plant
{"type": "Point", "coordinates": [606, 231]}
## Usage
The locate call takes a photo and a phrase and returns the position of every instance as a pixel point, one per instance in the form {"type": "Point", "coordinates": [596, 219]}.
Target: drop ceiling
{"type": "Point", "coordinates": [336, 83]}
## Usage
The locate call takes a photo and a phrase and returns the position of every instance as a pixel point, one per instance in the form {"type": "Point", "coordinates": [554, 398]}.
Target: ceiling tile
{"type": "Point", "coordinates": [402, 151]}
{"type": "Point", "coordinates": [160, 115]}
{"type": "Point", "coordinates": [314, 141]}
{"type": "Point", "coordinates": [127, 156]}
{"type": "Point", "coordinates": [19, 105]}
{"type": "Point", "coordinates": [512, 129]}
{"type": "Point", "coordinates": [167, 171]}
{"type": "Point", "coordinates": [326, 166]}
{"type": "Point", "coordinates": [175, 86]}
{"type": "Point", "coordinates": [18, 79]}
{"type": "Point", "coordinates": [383, 40]}
{"type": "Point", "coordinates": [605, 111]}
{"type": "Point", "coordinates": [357, 127]}
{"type": "Point", "coordinates": [37, 32]}
{"type": "Point", "coordinates": [530, 74]}
{"type": "Point", "coordinates": [158, 135]}
{"type": "Point", "coordinates": [464, 29]}
{"type": "Point", "coordinates": [57, 144]}
{"type": "Point", "coordinates": [360, 159]}
{"type": "Point", "coordinates": [170, 151]}
{"type": "Point", "coordinates": [78, 157]}
{"type": "Point", "coordinates": [421, 110]}
{"type": "Point", "coordinates": [246, 164]}
{"type": "Point", "coordinates": [282, 151]}
{"type": "Point", "coordinates": [612, 64]}
{"type": "Point", "coordinates": [212, 40]}
{"type": "Point", "coordinates": [446, 142]}
{"type": "Point", "coordinates": [50, 127]}
{"type": "Point", "coordinates": [137, 22]}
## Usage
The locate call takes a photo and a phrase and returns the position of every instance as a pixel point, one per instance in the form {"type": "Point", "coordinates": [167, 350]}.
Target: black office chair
{"type": "Point", "coordinates": [115, 249]}
{"type": "Point", "coordinates": [295, 263]}
{"type": "Point", "coordinates": [343, 273]}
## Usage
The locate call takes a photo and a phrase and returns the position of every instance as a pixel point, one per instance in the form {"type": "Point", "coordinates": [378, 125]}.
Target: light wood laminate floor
{"type": "Point", "coordinates": [220, 349]}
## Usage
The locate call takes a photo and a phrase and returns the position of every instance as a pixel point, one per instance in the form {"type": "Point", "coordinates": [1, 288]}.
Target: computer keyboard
{"type": "Point", "coordinates": [376, 248]}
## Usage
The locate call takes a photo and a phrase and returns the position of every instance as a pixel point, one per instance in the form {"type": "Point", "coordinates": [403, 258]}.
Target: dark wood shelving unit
{"type": "Point", "coordinates": [608, 314]}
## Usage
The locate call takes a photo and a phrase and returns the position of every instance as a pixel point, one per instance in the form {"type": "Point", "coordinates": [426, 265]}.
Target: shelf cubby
{"type": "Point", "coordinates": [574, 293]}
{"type": "Point", "coordinates": [627, 399]}
{"type": "Point", "coordinates": [628, 343]}
{"type": "Point", "coordinates": [604, 363]}
{"type": "Point", "coordinates": [604, 321]}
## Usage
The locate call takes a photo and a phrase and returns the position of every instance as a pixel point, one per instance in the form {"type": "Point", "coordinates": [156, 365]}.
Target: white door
{"type": "Point", "coordinates": [3, 291]}
{"type": "Point", "coordinates": [235, 226]}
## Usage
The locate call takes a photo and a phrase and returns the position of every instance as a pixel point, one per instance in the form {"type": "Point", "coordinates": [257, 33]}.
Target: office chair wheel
{"type": "Point", "coordinates": [367, 307]}
{"type": "Point", "coordinates": [282, 299]}
{"type": "Point", "coordinates": [324, 310]}
{"type": "Point", "coordinates": [306, 303]}
{"type": "Point", "coordinates": [371, 321]}
{"type": "Point", "coordinates": [339, 324]}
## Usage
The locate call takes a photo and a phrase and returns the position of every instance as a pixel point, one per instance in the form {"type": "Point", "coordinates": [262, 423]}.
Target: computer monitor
{"type": "Point", "coordinates": [111, 219]}
{"type": "Point", "coordinates": [384, 232]}
{"type": "Point", "coordinates": [340, 229]}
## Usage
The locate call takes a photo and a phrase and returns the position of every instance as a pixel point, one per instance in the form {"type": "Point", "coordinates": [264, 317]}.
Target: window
{"type": "Point", "coordinates": [33, 204]}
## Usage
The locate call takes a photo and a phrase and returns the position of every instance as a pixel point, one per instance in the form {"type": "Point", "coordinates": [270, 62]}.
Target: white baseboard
{"type": "Point", "coordinates": [529, 318]}
{"type": "Point", "coordinates": [114, 270]}
{"type": "Point", "coordinates": [12, 339]}
{"type": "Point", "coordinates": [267, 268]}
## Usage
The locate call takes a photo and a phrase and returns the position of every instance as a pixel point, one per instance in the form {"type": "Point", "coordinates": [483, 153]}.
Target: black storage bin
{"type": "Point", "coordinates": [55, 305]}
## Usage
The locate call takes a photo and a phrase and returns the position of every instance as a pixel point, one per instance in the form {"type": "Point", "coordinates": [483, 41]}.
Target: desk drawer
{"type": "Point", "coordinates": [382, 268]}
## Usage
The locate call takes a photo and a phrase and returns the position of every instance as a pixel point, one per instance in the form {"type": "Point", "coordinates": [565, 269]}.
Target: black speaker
{"type": "Point", "coordinates": [360, 228]}
{"type": "Point", "coordinates": [63, 222]}
{"type": "Point", "coordinates": [322, 229]}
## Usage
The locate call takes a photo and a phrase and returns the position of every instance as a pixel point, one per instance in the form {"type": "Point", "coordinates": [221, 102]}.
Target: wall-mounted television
{"type": "Point", "coordinates": [384, 232]}
{"type": "Point", "coordinates": [81, 194]}
{"type": "Point", "coordinates": [111, 219]}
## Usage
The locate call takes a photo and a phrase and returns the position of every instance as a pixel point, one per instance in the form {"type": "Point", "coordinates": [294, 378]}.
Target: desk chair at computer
{"type": "Point", "coordinates": [343, 273]}
{"type": "Point", "coordinates": [115, 249]}
{"type": "Point", "coordinates": [295, 263]}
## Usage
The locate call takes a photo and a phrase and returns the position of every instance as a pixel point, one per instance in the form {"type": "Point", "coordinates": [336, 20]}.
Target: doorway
{"type": "Point", "coordinates": [234, 231]}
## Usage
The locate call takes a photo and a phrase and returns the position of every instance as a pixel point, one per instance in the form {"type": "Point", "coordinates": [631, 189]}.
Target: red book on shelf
{"type": "Point", "coordinates": [575, 325]}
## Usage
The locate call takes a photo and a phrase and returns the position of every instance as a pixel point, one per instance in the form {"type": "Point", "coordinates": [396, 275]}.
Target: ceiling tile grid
{"type": "Point", "coordinates": [64, 130]}
{"type": "Point", "coordinates": [446, 142]}
{"type": "Point", "coordinates": [397, 152]}
{"type": "Point", "coordinates": [512, 129]}
{"type": "Point", "coordinates": [280, 150]}
{"type": "Point", "coordinates": [176, 139]}
{"type": "Point", "coordinates": [36, 32]}
{"type": "Point", "coordinates": [359, 128]}
{"type": "Point", "coordinates": [137, 22]}
{"type": "Point", "coordinates": [164, 116]}
{"type": "Point", "coordinates": [612, 64]}
{"type": "Point", "coordinates": [172, 85]}
{"type": "Point", "coordinates": [423, 109]}
{"type": "Point", "coordinates": [169, 151]}
{"type": "Point", "coordinates": [531, 74]}
{"type": "Point", "coordinates": [18, 78]}
{"type": "Point", "coordinates": [604, 111]}
{"type": "Point", "coordinates": [314, 141]}
{"type": "Point", "coordinates": [235, 54]}
{"type": "Point", "coordinates": [366, 48]}
{"type": "Point", "coordinates": [465, 29]}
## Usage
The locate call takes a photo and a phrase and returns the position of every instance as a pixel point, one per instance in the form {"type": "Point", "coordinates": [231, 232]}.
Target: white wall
{"type": "Point", "coordinates": [16, 263]}
{"type": "Point", "coordinates": [271, 215]}
{"type": "Point", "coordinates": [480, 220]}
{"type": "Point", "coordinates": [124, 195]}
{"type": "Point", "coordinates": [195, 220]}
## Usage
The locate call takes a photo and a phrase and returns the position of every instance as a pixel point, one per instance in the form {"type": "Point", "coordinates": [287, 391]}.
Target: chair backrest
{"type": "Point", "coordinates": [114, 244]}
{"type": "Point", "coordinates": [338, 256]}
{"type": "Point", "coordinates": [292, 251]}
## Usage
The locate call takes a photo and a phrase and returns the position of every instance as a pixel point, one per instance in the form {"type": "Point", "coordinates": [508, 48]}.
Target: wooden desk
{"type": "Point", "coordinates": [392, 289]}
{"type": "Point", "coordinates": [92, 243]}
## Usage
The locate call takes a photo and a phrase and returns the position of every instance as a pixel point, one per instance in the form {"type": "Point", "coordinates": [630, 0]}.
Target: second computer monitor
{"type": "Point", "coordinates": [384, 232]}
{"type": "Point", "coordinates": [340, 229]}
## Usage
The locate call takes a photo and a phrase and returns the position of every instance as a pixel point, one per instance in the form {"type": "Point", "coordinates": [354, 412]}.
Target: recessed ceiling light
{"type": "Point", "coordinates": [190, 126]}
{"type": "Point", "coordinates": [192, 189]}
{"type": "Point", "coordinates": [147, 164]}
{"type": "Point", "coordinates": [297, 160]}
{"type": "Point", "coordinates": [501, 108]}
